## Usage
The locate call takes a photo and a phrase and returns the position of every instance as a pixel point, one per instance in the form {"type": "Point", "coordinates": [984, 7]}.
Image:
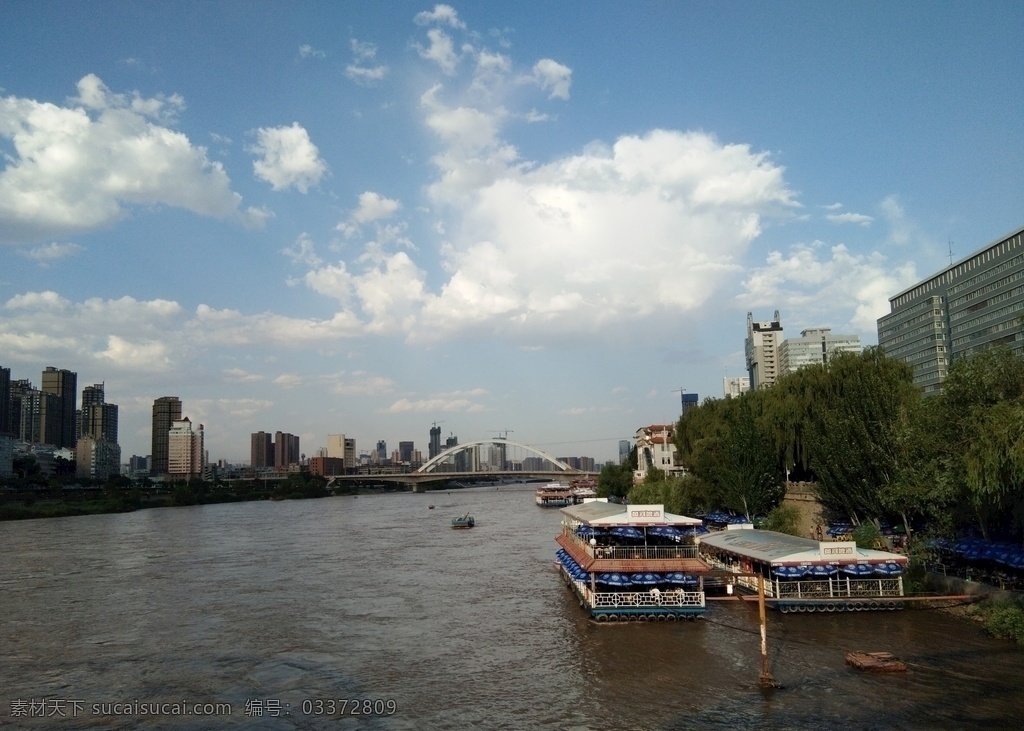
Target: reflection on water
{"type": "Point", "coordinates": [275, 606]}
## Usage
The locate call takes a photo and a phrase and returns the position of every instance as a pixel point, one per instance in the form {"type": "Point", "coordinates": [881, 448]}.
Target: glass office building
{"type": "Point", "coordinates": [971, 305]}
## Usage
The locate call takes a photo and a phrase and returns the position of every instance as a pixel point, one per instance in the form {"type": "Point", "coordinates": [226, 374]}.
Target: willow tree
{"type": "Point", "coordinates": [725, 448]}
{"type": "Point", "coordinates": [982, 440]}
{"type": "Point", "coordinates": [856, 428]}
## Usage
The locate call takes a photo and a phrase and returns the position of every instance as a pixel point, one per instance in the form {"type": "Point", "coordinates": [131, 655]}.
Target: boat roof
{"type": "Point", "coordinates": [781, 549]}
{"type": "Point", "coordinates": [601, 512]}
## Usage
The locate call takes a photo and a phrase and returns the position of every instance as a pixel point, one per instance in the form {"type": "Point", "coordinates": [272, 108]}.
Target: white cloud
{"type": "Point", "coordinates": [303, 252]}
{"type": "Point", "coordinates": [457, 401]}
{"type": "Point", "coordinates": [361, 70]}
{"type": "Point", "coordinates": [858, 218]}
{"type": "Point", "coordinates": [238, 375]}
{"type": "Point", "coordinates": [46, 254]}
{"type": "Point", "coordinates": [440, 15]}
{"type": "Point", "coordinates": [816, 285]}
{"type": "Point", "coordinates": [374, 206]}
{"type": "Point", "coordinates": [307, 51]}
{"type": "Point", "coordinates": [555, 250]}
{"type": "Point", "coordinates": [902, 232]}
{"type": "Point", "coordinates": [553, 77]}
{"type": "Point", "coordinates": [441, 51]}
{"type": "Point", "coordinates": [288, 380]}
{"type": "Point", "coordinates": [76, 168]}
{"type": "Point", "coordinates": [366, 75]}
{"type": "Point", "coordinates": [287, 158]}
{"type": "Point", "coordinates": [152, 355]}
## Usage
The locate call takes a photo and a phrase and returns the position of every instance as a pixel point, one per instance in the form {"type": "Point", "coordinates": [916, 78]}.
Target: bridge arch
{"type": "Point", "coordinates": [444, 456]}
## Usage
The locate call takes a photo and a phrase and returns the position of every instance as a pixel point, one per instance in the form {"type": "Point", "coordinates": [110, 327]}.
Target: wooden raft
{"type": "Point", "coordinates": [876, 662]}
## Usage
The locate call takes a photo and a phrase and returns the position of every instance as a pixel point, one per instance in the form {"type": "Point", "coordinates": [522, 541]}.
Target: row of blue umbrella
{"type": "Point", "coordinates": [1010, 555]}
{"type": "Point", "coordinates": [618, 580]}
{"type": "Point", "coordinates": [626, 531]}
{"type": "Point", "coordinates": [859, 570]}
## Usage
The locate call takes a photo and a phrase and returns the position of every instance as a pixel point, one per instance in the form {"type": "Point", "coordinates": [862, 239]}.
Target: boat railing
{"type": "Point", "coordinates": [841, 586]}
{"type": "Point", "coordinates": [611, 599]}
{"type": "Point", "coordinates": [624, 553]}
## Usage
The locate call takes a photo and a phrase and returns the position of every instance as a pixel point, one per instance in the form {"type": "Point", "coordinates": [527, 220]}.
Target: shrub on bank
{"type": "Point", "coordinates": [1004, 620]}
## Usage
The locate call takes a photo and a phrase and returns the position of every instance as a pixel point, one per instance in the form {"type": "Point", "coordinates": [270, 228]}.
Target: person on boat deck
{"type": "Point", "coordinates": [656, 594]}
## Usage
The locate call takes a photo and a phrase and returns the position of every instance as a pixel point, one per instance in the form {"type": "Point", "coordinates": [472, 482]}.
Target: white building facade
{"type": "Point", "coordinates": [186, 450]}
{"type": "Point", "coordinates": [655, 449]}
{"type": "Point", "coordinates": [815, 345]}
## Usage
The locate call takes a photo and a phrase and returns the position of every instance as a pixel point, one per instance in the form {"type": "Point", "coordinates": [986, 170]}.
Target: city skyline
{"type": "Point", "coordinates": [545, 220]}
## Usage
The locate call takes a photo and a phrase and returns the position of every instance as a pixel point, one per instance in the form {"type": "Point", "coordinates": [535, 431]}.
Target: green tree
{"type": "Point", "coordinates": [783, 519]}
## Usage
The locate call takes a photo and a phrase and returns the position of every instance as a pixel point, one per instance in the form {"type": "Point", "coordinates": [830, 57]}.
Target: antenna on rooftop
{"type": "Point", "coordinates": [951, 252]}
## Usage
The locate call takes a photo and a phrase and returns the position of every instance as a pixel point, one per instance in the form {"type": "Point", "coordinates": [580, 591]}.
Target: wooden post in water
{"type": "Point", "coordinates": [766, 679]}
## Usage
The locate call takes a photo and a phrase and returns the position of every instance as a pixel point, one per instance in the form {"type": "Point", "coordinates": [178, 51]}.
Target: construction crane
{"type": "Point", "coordinates": [437, 422]}
{"type": "Point", "coordinates": [506, 432]}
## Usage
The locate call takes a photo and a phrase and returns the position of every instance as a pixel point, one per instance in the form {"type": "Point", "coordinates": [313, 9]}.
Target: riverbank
{"type": "Point", "coordinates": [60, 503]}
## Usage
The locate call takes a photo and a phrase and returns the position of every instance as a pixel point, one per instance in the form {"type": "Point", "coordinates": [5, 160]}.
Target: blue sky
{"type": "Point", "coordinates": [366, 217]}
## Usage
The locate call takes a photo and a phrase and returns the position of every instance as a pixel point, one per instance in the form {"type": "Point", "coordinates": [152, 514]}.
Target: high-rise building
{"type": "Point", "coordinates": [815, 345]}
{"type": "Point", "coordinates": [973, 304]}
{"type": "Point", "coordinates": [625, 447]}
{"type": "Point", "coordinates": [261, 450]}
{"type": "Point", "coordinates": [382, 451]}
{"type": "Point", "coordinates": [733, 386]}
{"type": "Point", "coordinates": [689, 401]}
{"type": "Point", "coordinates": [186, 450]}
{"type": "Point", "coordinates": [166, 411]}
{"type": "Point", "coordinates": [97, 458]}
{"type": "Point", "coordinates": [286, 449]}
{"type": "Point", "coordinates": [64, 385]}
{"type": "Point", "coordinates": [761, 347]}
{"type": "Point", "coordinates": [5, 402]}
{"type": "Point", "coordinates": [97, 418]}
{"type": "Point", "coordinates": [40, 414]}
{"type": "Point", "coordinates": [434, 448]}
{"type": "Point", "coordinates": [405, 451]}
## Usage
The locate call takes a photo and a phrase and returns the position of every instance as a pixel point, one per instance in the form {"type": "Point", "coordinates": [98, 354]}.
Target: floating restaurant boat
{"type": "Point", "coordinates": [554, 495]}
{"type": "Point", "coordinates": [805, 575]}
{"type": "Point", "coordinates": [631, 562]}
{"type": "Point", "coordinates": [465, 521]}
{"type": "Point", "coordinates": [583, 489]}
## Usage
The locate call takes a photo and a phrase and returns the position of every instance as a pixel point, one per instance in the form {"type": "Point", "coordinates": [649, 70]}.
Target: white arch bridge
{"type": "Point", "coordinates": [480, 459]}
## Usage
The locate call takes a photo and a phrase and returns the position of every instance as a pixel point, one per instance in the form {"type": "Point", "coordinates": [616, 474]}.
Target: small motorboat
{"type": "Point", "coordinates": [465, 521]}
{"type": "Point", "coordinates": [430, 507]}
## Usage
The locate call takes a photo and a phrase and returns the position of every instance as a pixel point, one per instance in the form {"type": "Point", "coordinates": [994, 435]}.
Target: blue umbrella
{"type": "Point", "coordinates": [823, 571]}
{"type": "Point", "coordinates": [588, 531]}
{"type": "Point", "coordinates": [858, 569]}
{"type": "Point", "coordinates": [617, 580]}
{"type": "Point", "coordinates": [646, 579]}
{"type": "Point", "coordinates": [625, 531]}
{"type": "Point", "coordinates": [789, 572]}
{"type": "Point", "coordinates": [680, 579]}
{"type": "Point", "coordinates": [888, 569]}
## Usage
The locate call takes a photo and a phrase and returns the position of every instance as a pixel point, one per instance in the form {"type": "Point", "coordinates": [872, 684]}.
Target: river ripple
{"type": "Point", "coordinates": [287, 603]}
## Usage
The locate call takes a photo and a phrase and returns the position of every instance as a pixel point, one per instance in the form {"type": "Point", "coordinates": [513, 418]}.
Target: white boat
{"type": "Point", "coordinates": [554, 495]}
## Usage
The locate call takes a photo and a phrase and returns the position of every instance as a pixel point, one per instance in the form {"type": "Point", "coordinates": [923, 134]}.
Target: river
{"type": "Point", "coordinates": [284, 612]}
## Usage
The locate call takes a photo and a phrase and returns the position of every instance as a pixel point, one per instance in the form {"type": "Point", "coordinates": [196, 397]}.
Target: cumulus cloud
{"type": "Point", "coordinates": [858, 218]}
{"type": "Point", "coordinates": [287, 158]}
{"type": "Point", "coordinates": [307, 51]}
{"type": "Point", "coordinates": [77, 168]}
{"type": "Point", "coordinates": [441, 50]}
{"type": "Point", "coordinates": [363, 70]}
{"type": "Point", "coordinates": [819, 284]}
{"type": "Point", "coordinates": [654, 223]}
{"type": "Point", "coordinates": [124, 333]}
{"type": "Point", "coordinates": [458, 401]}
{"type": "Point", "coordinates": [553, 78]}
{"type": "Point", "coordinates": [47, 254]}
{"type": "Point", "coordinates": [440, 15]}
{"type": "Point", "coordinates": [373, 207]}
{"type": "Point", "coordinates": [238, 375]}
{"type": "Point", "coordinates": [303, 251]}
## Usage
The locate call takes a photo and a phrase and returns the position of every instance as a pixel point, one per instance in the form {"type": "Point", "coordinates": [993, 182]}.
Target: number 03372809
{"type": "Point", "coordinates": [350, 707]}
